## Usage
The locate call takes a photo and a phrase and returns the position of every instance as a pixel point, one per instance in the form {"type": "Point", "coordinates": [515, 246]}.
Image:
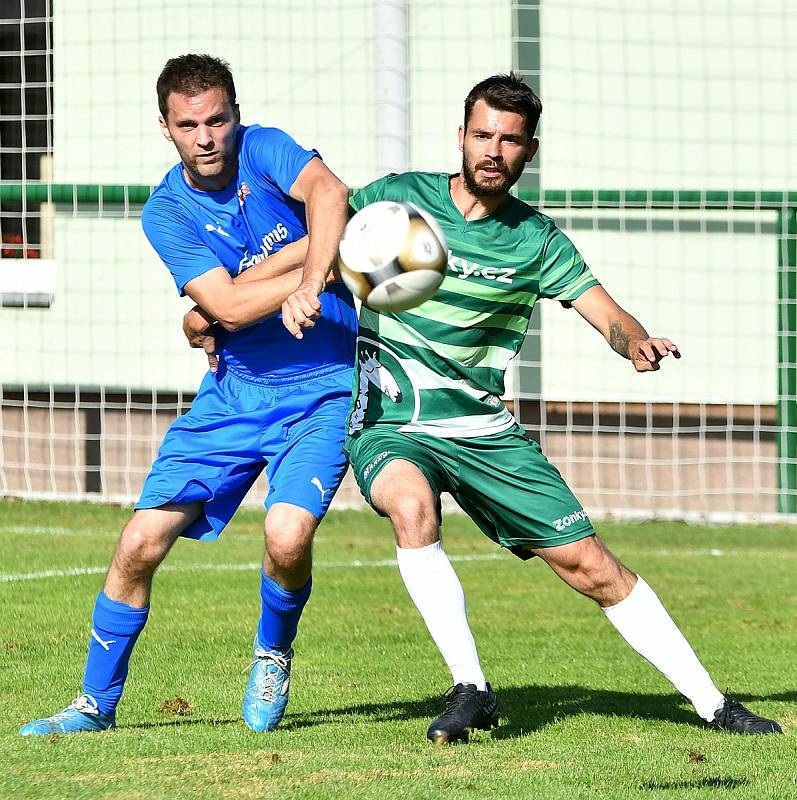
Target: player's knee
{"type": "Point", "coordinates": [413, 512]}
{"type": "Point", "coordinates": [601, 576]}
{"type": "Point", "coordinates": [288, 546]}
{"type": "Point", "coordinates": [141, 547]}
{"type": "Point", "coordinates": [286, 556]}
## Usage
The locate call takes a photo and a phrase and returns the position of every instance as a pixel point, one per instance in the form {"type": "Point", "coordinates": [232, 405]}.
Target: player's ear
{"type": "Point", "coordinates": [237, 112]}
{"type": "Point", "coordinates": [534, 146]}
{"type": "Point", "coordinates": [461, 136]}
{"type": "Point", "coordinates": [164, 129]}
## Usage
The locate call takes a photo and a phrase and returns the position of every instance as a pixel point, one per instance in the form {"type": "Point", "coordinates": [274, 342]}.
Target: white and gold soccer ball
{"type": "Point", "coordinates": [392, 255]}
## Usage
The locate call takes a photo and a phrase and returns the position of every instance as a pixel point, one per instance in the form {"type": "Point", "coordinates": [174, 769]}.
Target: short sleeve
{"type": "Point", "coordinates": [360, 198]}
{"type": "Point", "coordinates": [278, 157]}
{"type": "Point", "coordinates": [564, 275]}
{"type": "Point", "coordinates": [172, 235]}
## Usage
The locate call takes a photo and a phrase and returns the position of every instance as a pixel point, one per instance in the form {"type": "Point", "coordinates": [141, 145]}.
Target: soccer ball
{"type": "Point", "coordinates": [392, 255]}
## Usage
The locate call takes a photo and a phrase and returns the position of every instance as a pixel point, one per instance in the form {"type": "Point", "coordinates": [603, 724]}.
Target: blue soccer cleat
{"type": "Point", "coordinates": [81, 715]}
{"type": "Point", "coordinates": [267, 691]}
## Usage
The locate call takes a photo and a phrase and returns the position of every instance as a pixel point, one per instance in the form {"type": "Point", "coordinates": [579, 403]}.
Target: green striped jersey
{"type": "Point", "coordinates": [439, 368]}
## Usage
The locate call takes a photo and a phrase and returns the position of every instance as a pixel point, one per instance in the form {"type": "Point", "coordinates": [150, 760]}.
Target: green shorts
{"type": "Point", "coordinates": [503, 482]}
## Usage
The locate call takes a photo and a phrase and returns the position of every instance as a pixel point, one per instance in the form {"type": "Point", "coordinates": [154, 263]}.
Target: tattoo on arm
{"type": "Point", "coordinates": [619, 339]}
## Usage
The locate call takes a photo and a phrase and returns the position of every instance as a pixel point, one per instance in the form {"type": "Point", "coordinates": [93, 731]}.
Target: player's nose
{"type": "Point", "coordinates": [204, 136]}
{"type": "Point", "coordinates": [494, 149]}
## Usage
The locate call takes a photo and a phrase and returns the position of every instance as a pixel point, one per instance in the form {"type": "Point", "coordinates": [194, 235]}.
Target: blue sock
{"type": "Point", "coordinates": [280, 614]}
{"type": "Point", "coordinates": [116, 627]}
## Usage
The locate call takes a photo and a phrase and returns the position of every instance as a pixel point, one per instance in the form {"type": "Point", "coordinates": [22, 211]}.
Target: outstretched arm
{"type": "Point", "coordinates": [285, 262]}
{"type": "Point", "coordinates": [326, 206]}
{"type": "Point", "coordinates": [199, 323]}
{"type": "Point", "coordinates": [287, 259]}
{"type": "Point", "coordinates": [237, 305]}
{"type": "Point", "coordinates": [623, 332]}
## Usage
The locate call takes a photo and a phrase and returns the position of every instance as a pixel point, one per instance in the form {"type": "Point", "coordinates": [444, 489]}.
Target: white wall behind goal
{"type": "Point", "coordinates": [115, 318]}
{"type": "Point", "coordinates": [712, 291]}
{"type": "Point", "coordinates": [669, 95]}
{"type": "Point", "coordinates": [305, 66]}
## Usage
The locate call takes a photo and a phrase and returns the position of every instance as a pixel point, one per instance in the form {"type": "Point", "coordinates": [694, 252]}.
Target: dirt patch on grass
{"type": "Point", "coordinates": [177, 707]}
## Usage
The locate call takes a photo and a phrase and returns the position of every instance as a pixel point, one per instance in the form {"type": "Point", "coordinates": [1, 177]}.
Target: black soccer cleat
{"type": "Point", "coordinates": [466, 709]}
{"type": "Point", "coordinates": [735, 718]}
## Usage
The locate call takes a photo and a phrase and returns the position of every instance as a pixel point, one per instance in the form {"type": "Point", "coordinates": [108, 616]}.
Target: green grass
{"type": "Point", "coordinates": [582, 715]}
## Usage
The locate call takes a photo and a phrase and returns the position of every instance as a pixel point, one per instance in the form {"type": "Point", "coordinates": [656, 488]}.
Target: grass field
{"type": "Point", "coordinates": [582, 715]}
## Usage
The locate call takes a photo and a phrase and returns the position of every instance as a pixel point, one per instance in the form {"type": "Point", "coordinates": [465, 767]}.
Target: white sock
{"type": "Point", "coordinates": [437, 593]}
{"type": "Point", "coordinates": [644, 623]}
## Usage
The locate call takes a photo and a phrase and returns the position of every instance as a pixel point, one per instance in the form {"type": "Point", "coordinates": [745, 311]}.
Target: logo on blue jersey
{"type": "Point", "coordinates": [243, 192]}
{"type": "Point", "coordinates": [217, 228]}
{"type": "Point", "coordinates": [279, 233]}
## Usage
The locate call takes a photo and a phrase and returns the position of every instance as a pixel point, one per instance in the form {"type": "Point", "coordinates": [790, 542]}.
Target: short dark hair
{"type": "Point", "coordinates": [192, 74]}
{"type": "Point", "coordinates": [506, 93]}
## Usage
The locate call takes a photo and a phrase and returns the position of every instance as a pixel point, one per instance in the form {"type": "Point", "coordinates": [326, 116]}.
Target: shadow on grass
{"type": "Point", "coordinates": [525, 709]}
{"type": "Point", "coordinates": [180, 722]}
{"type": "Point", "coordinates": [699, 783]}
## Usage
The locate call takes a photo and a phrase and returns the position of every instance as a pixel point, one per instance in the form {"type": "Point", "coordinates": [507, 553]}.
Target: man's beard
{"type": "Point", "coordinates": [211, 176]}
{"type": "Point", "coordinates": [493, 189]}
{"type": "Point", "coordinates": [200, 167]}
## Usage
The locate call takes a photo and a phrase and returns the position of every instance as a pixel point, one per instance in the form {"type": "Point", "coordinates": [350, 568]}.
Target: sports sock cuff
{"type": "Point", "coordinates": [278, 599]}
{"type": "Point", "coordinates": [120, 618]}
{"type": "Point", "coordinates": [640, 591]}
{"type": "Point", "coordinates": [420, 553]}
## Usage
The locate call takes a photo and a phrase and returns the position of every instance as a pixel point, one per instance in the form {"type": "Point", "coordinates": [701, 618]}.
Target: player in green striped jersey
{"type": "Point", "coordinates": [427, 415]}
{"type": "Point", "coordinates": [454, 349]}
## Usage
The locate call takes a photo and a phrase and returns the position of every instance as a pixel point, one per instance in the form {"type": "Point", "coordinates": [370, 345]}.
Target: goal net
{"type": "Point", "coordinates": [666, 156]}
{"type": "Point", "coordinates": [693, 107]}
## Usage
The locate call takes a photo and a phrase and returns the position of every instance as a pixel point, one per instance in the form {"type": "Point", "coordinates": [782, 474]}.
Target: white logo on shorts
{"type": "Point", "coordinates": [317, 483]}
{"type": "Point", "coordinates": [381, 457]}
{"type": "Point", "coordinates": [567, 521]}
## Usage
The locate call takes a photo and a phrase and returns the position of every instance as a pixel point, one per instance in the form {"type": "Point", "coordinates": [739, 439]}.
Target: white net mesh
{"type": "Point", "coordinates": [646, 97]}
{"type": "Point", "coordinates": [94, 376]}
{"type": "Point", "coordinates": [651, 97]}
{"type": "Point", "coordinates": [700, 436]}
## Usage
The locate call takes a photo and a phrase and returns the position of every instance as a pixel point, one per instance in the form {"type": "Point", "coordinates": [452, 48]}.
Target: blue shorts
{"type": "Point", "coordinates": [237, 426]}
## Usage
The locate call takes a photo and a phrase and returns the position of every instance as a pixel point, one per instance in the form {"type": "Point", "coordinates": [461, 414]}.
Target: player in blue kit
{"type": "Point", "coordinates": [224, 221]}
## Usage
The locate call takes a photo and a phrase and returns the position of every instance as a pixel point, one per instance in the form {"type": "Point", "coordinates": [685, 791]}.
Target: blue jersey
{"type": "Point", "coordinates": [239, 226]}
